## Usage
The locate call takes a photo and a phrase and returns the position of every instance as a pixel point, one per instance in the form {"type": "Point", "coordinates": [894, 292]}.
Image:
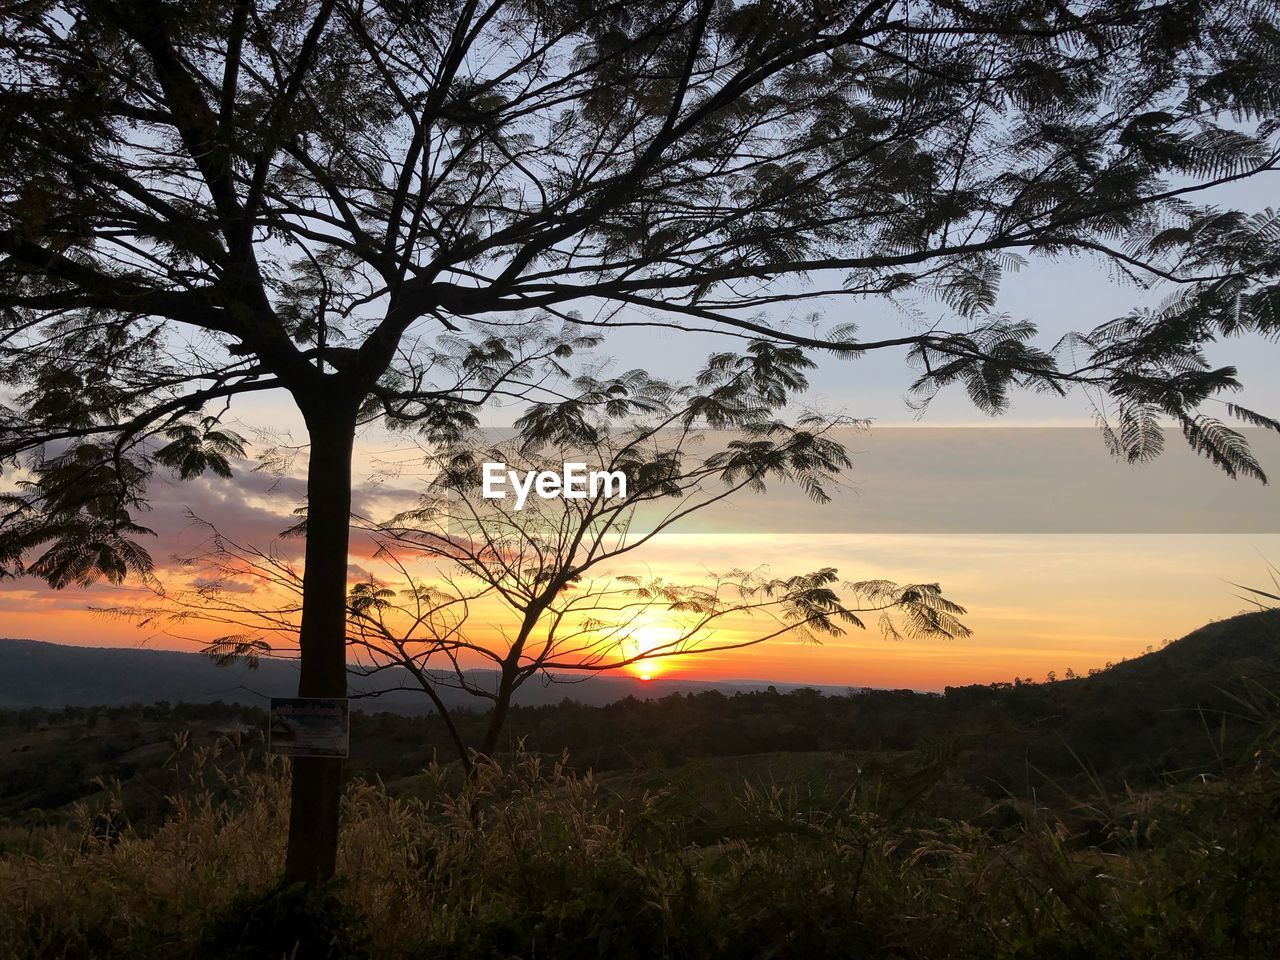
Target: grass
{"type": "Point", "coordinates": [750, 860]}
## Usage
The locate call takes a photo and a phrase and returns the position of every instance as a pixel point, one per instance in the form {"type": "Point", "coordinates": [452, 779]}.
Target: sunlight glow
{"type": "Point", "coordinates": [645, 637]}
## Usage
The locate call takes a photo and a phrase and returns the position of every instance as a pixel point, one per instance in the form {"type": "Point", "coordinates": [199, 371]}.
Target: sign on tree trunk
{"type": "Point", "coordinates": [310, 727]}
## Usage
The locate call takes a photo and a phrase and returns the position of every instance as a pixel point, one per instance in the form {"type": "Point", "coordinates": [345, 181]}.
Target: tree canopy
{"type": "Point", "coordinates": [205, 200]}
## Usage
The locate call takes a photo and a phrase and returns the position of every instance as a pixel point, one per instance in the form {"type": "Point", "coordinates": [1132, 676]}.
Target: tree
{"type": "Point", "coordinates": [532, 588]}
{"type": "Point", "coordinates": [346, 200]}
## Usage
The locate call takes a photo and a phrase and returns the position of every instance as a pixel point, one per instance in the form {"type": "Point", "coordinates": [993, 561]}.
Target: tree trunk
{"type": "Point", "coordinates": [498, 719]}
{"type": "Point", "coordinates": [317, 781]}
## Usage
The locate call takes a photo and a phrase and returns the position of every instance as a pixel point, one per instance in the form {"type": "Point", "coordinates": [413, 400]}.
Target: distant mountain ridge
{"type": "Point", "coordinates": [36, 673]}
{"type": "Point", "coordinates": [1247, 645]}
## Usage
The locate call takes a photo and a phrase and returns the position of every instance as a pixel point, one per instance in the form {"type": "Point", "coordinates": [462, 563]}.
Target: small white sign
{"type": "Point", "coordinates": [310, 727]}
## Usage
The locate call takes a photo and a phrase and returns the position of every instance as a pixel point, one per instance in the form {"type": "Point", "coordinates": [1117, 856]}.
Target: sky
{"type": "Point", "coordinates": [1058, 590]}
{"type": "Point", "coordinates": [1062, 557]}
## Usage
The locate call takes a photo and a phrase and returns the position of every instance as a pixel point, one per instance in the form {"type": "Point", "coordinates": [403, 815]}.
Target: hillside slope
{"type": "Point", "coordinates": [1193, 708]}
{"type": "Point", "coordinates": [1243, 646]}
{"type": "Point", "coordinates": [53, 675]}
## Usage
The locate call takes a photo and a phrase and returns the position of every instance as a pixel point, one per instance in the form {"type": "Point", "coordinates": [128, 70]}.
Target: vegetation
{"type": "Point", "coordinates": [528, 860]}
{"type": "Point", "coordinates": [832, 839]}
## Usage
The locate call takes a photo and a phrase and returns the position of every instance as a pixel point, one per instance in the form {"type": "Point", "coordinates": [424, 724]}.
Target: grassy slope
{"type": "Point", "coordinates": [834, 841]}
{"type": "Point", "coordinates": [1191, 707]}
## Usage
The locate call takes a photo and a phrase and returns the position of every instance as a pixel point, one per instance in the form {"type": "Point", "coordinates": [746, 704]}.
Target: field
{"type": "Point", "coordinates": [1109, 816]}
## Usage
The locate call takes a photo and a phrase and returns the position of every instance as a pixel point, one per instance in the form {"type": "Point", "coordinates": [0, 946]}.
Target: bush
{"type": "Point", "coordinates": [301, 922]}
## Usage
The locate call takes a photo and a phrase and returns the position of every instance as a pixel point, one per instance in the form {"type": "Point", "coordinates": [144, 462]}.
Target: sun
{"type": "Point", "coordinates": [650, 636]}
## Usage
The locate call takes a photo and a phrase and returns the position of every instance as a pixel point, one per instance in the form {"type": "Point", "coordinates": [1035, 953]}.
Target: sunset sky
{"type": "Point", "coordinates": [1063, 557]}
{"type": "Point", "coordinates": [1037, 602]}
{"type": "Point", "coordinates": [1018, 524]}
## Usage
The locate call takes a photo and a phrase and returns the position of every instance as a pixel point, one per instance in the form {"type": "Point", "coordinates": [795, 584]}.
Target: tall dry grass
{"type": "Point", "coordinates": [530, 860]}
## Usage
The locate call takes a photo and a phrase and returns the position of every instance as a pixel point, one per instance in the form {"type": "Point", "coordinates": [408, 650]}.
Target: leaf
{"type": "Point", "coordinates": [1222, 445]}
{"type": "Point", "coordinates": [1255, 419]}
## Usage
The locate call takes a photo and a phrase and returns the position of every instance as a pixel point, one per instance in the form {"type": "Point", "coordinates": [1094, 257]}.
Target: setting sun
{"type": "Point", "coordinates": [651, 637]}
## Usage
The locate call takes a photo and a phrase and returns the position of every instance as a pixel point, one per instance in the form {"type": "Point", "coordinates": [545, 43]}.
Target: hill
{"type": "Point", "coordinates": [1190, 709]}
{"type": "Point", "coordinates": [1244, 646]}
{"type": "Point", "coordinates": [34, 674]}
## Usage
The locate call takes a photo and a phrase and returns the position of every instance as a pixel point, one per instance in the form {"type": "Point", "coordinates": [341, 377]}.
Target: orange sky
{"type": "Point", "coordinates": [1036, 603]}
